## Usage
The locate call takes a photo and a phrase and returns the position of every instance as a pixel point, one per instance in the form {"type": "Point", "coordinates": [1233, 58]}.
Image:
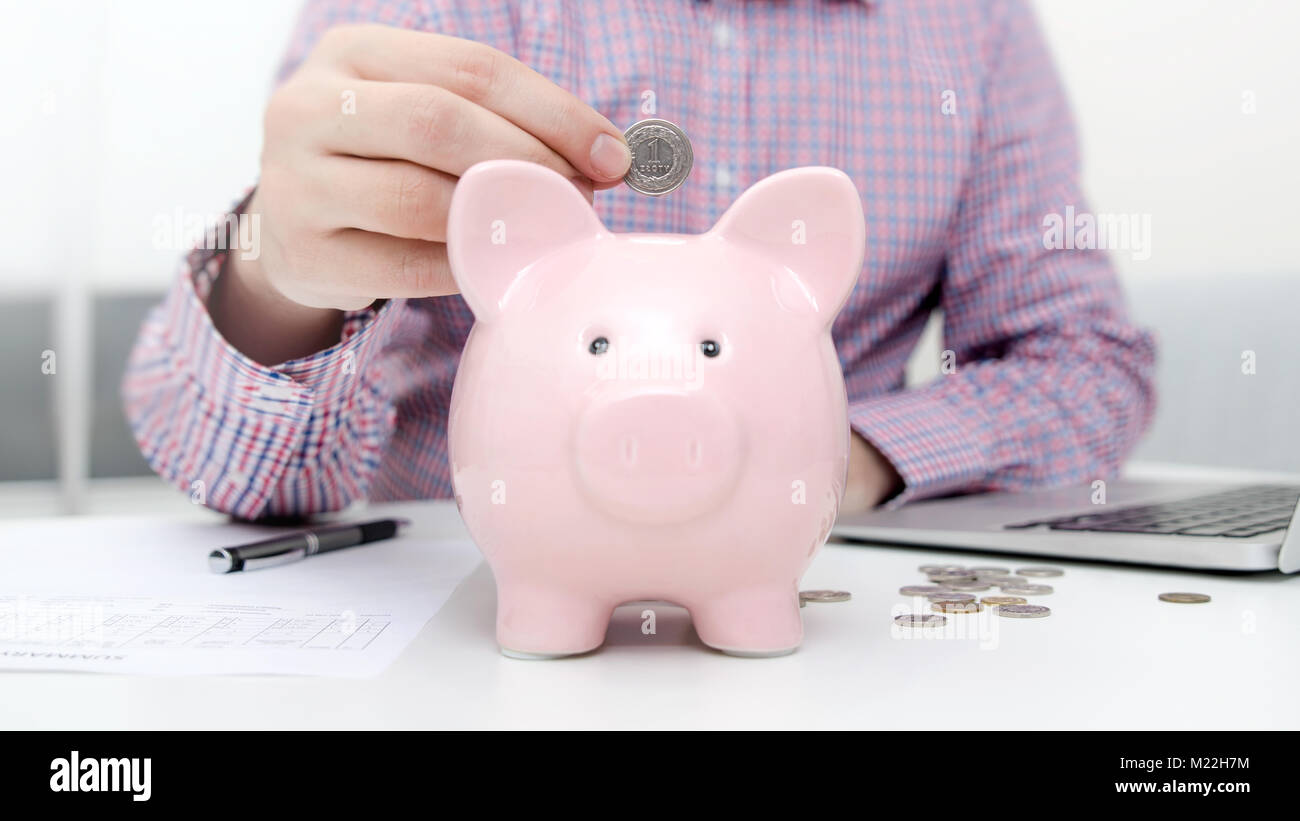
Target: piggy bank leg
{"type": "Point", "coordinates": [541, 623]}
{"type": "Point", "coordinates": [756, 623]}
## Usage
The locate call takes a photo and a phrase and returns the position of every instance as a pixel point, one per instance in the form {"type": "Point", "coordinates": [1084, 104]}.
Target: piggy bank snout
{"type": "Point", "coordinates": [658, 458]}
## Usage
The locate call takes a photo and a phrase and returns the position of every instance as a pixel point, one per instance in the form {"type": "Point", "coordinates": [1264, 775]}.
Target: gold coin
{"type": "Point", "coordinates": [994, 601]}
{"type": "Point", "coordinates": [1185, 598]}
{"type": "Point", "coordinates": [956, 607]}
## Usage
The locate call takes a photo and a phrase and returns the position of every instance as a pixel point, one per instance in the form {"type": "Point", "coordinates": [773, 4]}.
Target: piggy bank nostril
{"type": "Point", "coordinates": [694, 454]}
{"type": "Point", "coordinates": [627, 451]}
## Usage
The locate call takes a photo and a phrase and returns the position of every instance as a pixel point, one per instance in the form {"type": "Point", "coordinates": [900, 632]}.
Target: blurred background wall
{"type": "Point", "coordinates": [124, 111]}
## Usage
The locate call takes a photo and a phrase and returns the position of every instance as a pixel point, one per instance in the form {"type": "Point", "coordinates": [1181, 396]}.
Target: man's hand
{"type": "Point", "coordinates": [871, 480]}
{"type": "Point", "coordinates": [362, 148]}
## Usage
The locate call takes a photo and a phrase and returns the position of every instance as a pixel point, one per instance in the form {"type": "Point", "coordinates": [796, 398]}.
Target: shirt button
{"type": "Point", "coordinates": [722, 177]}
{"type": "Point", "coordinates": [722, 35]}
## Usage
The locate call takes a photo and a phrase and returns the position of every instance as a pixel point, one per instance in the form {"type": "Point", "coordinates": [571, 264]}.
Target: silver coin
{"type": "Point", "coordinates": [945, 577]}
{"type": "Point", "coordinates": [1039, 571]}
{"type": "Point", "coordinates": [661, 157]}
{"type": "Point", "coordinates": [942, 568]}
{"type": "Point", "coordinates": [1185, 598]}
{"type": "Point", "coordinates": [957, 607]}
{"type": "Point", "coordinates": [950, 597]}
{"type": "Point", "coordinates": [999, 581]}
{"type": "Point", "coordinates": [990, 571]}
{"type": "Point", "coordinates": [968, 587]}
{"type": "Point", "coordinates": [919, 589]}
{"type": "Point", "coordinates": [1023, 611]}
{"type": "Point", "coordinates": [823, 595]}
{"type": "Point", "coordinates": [1026, 589]}
{"type": "Point", "coordinates": [920, 620]}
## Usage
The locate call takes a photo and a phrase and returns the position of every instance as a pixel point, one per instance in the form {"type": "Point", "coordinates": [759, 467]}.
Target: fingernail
{"type": "Point", "coordinates": [610, 157]}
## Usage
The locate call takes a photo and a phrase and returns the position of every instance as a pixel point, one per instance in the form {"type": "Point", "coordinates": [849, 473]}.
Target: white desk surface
{"type": "Point", "coordinates": [1110, 656]}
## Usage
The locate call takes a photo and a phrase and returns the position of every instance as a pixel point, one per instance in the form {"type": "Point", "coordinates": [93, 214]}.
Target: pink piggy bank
{"type": "Point", "coordinates": [650, 416]}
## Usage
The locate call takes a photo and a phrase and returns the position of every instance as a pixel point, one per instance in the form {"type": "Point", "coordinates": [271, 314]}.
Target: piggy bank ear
{"type": "Point", "coordinates": [505, 215]}
{"type": "Point", "coordinates": [810, 221]}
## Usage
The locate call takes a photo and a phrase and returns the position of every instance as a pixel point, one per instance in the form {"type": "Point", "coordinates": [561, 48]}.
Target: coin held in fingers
{"type": "Point", "coordinates": [661, 157]}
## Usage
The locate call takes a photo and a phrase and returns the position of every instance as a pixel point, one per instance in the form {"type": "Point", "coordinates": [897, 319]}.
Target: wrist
{"type": "Point", "coordinates": [871, 478]}
{"type": "Point", "coordinates": [261, 322]}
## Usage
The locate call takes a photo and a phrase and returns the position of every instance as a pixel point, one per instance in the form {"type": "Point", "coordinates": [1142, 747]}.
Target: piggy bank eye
{"type": "Point", "coordinates": [598, 345]}
{"type": "Point", "coordinates": [710, 348]}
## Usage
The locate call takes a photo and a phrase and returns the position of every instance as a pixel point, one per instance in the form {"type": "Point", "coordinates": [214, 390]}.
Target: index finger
{"type": "Point", "coordinates": [496, 81]}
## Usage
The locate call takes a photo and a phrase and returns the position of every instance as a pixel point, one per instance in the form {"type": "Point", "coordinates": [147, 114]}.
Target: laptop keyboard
{"type": "Point", "coordinates": [1238, 513]}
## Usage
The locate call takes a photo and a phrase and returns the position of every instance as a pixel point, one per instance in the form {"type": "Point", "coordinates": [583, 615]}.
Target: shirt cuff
{"type": "Point", "coordinates": [289, 389]}
{"type": "Point", "coordinates": [263, 424]}
{"type": "Point", "coordinates": [936, 446]}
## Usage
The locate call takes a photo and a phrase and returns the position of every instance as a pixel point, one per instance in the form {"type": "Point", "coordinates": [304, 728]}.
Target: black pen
{"type": "Point", "coordinates": [300, 544]}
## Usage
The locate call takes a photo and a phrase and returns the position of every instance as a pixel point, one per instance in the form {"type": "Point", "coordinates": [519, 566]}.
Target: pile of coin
{"type": "Point", "coordinates": [952, 587]}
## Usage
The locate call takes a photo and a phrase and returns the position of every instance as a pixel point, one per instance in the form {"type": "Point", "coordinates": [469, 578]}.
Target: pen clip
{"type": "Point", "coordinates": [291, 555]}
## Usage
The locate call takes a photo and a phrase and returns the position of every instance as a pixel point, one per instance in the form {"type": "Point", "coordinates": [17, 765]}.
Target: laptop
{"type": "Point", "coordinates": [1200, 526]}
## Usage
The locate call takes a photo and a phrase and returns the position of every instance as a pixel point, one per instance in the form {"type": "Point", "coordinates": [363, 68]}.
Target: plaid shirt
{"type": "Point", "coordinates": [949, 117]}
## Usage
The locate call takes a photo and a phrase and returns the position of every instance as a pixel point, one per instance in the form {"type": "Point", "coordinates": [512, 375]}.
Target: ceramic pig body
{"type": "Point", "coordinates": [645, 416]}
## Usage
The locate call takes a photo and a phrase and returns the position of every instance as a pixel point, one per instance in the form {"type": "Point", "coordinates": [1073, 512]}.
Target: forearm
{"type": "Point", "coordinates": [871, 480]}
{"type": "Point", "coordinates": [1062, 404]}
